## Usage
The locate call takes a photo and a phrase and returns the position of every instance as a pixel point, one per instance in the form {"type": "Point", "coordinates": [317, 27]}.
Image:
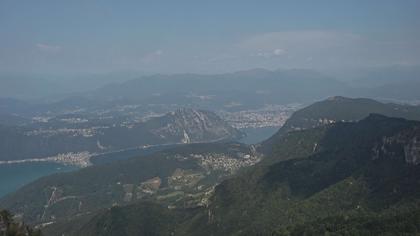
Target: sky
{"type": "Point", "coordinates": [86, 36]}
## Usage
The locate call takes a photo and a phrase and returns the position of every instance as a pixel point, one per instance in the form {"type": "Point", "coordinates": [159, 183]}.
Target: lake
{"type": "Point", "coordinates": [257, 135]}
{"type": "Point", "coordinates": [14, 176]}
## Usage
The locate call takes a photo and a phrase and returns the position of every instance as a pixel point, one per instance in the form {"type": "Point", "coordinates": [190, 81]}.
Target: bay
{"type": "Point", "coordinates": [14, 176]}
{"type": "Point", "coordinates": [257, 135]}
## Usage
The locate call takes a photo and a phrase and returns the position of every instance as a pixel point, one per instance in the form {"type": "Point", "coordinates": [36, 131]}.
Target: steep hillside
{"type": "Point", "coordinates": [357, 168]}
{"type": "Point", "coordinates": [192, 126]}
{"type": "Point", "coordinates": [10, 227]}
{"type": "Point", "coordinates": [340, 109]}
{"type": "Point", "coordinates": [362, 178]}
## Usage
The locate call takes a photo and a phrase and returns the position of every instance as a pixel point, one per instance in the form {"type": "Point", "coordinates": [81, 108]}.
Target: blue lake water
{"type": "Point", "coordinates": [129, 153]}
{"type": "Point", "coordinates": [14, 176]}
{"type": "Point", "coordinates": [257, 135]}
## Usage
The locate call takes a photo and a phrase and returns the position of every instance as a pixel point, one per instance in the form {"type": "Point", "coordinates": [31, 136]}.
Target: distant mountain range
{"type": "Point", "coordinates": [180, 126]}
{"type": "Point", "coordinates": [333, 168]}
{"type": "Point", "coordinates": [230, 92]}
{"type": "Point", "coordinates": [246, 89]}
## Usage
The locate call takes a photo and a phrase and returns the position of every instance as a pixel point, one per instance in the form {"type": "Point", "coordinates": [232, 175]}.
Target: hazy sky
{"type": "Point", "coordinates": [205, 36]}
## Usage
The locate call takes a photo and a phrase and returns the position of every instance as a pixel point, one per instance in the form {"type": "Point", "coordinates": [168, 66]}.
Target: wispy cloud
{"type": "Point", "coordinates": [293, 48]}
{"type": "Point", "coordinates": [279, 42]}
{"type": "Point", "coordinates": [48, 47]}
{"type": "Point", "coordinates": [152, 56]}
{"type": "Point", "coordinates": [273, 53]}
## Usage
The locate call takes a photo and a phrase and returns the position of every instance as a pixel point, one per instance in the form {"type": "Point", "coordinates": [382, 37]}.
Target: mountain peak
{"type": "Point", "coordinates": [338, 98]}
{"type": "Point", "coordinates": [376, 117]}
{"type": "Point", "coordinates": [197, 126]}
{"type": "Point", "coordinates": [183, 110]}
{"type": "Point", "coordinates": [253, 72]}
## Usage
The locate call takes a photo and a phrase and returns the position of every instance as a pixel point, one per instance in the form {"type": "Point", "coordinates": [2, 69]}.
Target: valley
{"type": "Point", "coordinates": [208, 118]}
{"type": "Point", "coordinates": [257, 126]}
{"type": "Point", "coordinates": [201, 176]}
{"type": "Point", "coordinates": [98, 132]}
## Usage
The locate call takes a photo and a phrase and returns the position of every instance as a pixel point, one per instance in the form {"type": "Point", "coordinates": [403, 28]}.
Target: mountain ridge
{"type": "Point", "coordinates": [361, 167]}
{"type": "Point", "coordinates": [340, 109]}
{"type": "Point", "coordinates": [182, 126]}
{"type": "Point", "coordinates": [338, 183]}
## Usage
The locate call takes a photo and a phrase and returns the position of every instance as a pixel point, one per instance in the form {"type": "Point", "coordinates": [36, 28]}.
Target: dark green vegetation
{"type": "Point", "coordinates": [145, 218]}
{"type": "Point", "coordinates": [182, 176]}
{"type": "Point", "coordinates": [336, 109]}
{"type": "Point", "coordinates": [10, 227]}
{"type": "Point", "coordinates": [362, 178]}
{"type": "Point", "coordinates": [57, 136]}
{"type": "Point", "coordinates": [323, 178]}
{"type": "Point", "coordinates": [339, 108]}
{"type": "Point", "coordinates": [369, 224]}
{"type": "Point", "coordinates": [357, 179]}
{"type": "Point", "coordinates": [357, 169]}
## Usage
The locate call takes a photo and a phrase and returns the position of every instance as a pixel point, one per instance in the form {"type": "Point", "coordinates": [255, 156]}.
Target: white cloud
{"type": "Point", "coordinates": [279, 52]}
{"type": "Point", "coordinates": [48, 48]}
{"type": "Point", "coordinates": [308, 39]}
{"type": "Point", "coordinates": [273, 53]}
{"type": "Point", "coordinates": [158, 52]}
{"type": "Point", "coordinates": [293, 48]}
{"type": "Point", "coordinates": [315, 49]}
{"type": "Point", "coordinates": [152, 56]}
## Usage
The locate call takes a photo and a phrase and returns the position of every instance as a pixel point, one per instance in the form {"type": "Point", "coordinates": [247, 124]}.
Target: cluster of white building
{"type": "Point", "coordinates": [81, 159]}
{"type": "Point", "coordinates": [223, 162]}
{"type": "Point", "coordinates": [268, 116]}
{"type": "Point", "coordinates": [85, 132]}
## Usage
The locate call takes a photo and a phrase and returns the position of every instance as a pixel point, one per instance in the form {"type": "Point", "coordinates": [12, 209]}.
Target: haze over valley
{"type": "Point", "coordinates": [209, 118]}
